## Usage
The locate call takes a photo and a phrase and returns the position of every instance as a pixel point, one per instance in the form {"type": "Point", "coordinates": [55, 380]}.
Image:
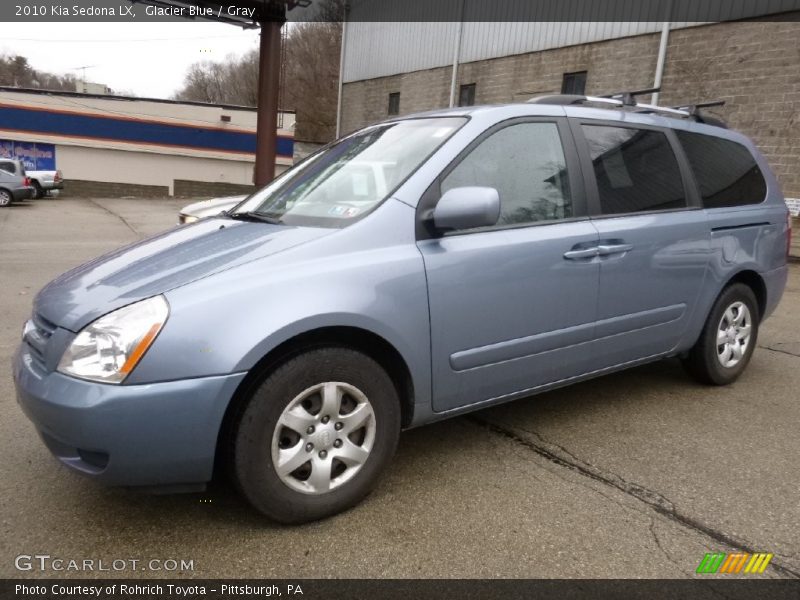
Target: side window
{"type": "Point", "coordinates": [635, 169]}
{"type": "Point", "coordinates": [8, 167]}
{"type": "Point", "coordinates": [726, 172]}
{"type": "Point", "coordinates": [525, 163]}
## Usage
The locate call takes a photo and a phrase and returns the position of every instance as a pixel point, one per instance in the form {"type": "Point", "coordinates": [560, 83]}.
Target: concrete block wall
{"type": "Point", "coordinates": [753, 66]}
{"type": "Point", "coordinates": [193, 189]}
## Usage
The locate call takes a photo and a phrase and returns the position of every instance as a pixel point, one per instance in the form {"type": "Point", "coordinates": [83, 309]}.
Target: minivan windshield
{"type": "Point", "coordinates": [345, 181]}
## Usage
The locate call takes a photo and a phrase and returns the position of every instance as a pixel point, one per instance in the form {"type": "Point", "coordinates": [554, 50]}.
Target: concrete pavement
{"type": "Point", "coordinates": [636, 474]}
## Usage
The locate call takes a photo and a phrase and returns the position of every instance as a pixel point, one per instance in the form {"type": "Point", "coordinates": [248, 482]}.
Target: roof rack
{"type": "Point", "coordinates": [626, 100]}
{"type": "Point", "coordinates": [694, 112]}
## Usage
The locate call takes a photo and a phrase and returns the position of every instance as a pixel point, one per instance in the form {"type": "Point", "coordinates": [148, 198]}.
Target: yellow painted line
{"type": "Point", "coordinates": [755, 563]}
{"type": "Point", "coordinates": [764, 564]}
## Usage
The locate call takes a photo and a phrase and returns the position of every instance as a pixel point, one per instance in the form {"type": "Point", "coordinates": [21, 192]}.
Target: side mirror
{"type": "Point", "coordinates": [466, 208]}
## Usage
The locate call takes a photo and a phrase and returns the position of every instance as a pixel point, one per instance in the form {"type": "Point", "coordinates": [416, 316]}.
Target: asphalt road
{"type": "Point", "coordinates": [636, 474]}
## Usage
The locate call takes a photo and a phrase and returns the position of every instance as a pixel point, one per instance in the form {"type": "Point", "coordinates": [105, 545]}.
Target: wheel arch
{"type": "Point", "coordinates": [755, 282]}
{"type": "Point", "coordinates": [357, 338]}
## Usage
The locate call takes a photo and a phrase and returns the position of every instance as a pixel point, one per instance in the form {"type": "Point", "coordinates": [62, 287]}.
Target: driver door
{"type": "Point", "coordinates": [512, 305]}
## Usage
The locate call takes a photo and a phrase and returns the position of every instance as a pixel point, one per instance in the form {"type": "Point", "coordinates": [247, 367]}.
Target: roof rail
{"type": "Point", "coordinates": [625, 100]}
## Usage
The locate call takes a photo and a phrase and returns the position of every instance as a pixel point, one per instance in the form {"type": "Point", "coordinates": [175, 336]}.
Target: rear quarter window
{"type": "Point", "coordinates": [725, 171]}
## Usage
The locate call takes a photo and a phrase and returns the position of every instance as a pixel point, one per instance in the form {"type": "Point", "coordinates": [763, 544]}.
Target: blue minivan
{"type": "Point", "coordinates": [414, 270]}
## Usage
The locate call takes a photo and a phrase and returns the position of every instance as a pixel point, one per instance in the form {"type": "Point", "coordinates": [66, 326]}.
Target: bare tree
{"type": "Point", "coordinates": [309, 86]}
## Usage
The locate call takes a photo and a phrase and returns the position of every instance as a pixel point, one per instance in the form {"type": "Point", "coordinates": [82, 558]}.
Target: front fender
{"type": "Point", "coordinates": [227, 322]}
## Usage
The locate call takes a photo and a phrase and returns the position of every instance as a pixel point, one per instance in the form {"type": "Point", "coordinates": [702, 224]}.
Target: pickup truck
{"type": "Point", "coordinates": [44, 182]}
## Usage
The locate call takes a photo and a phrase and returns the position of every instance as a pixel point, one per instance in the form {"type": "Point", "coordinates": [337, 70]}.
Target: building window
{"type": "Point", "coordinates": [394, 103]}
{"type": "Point", "coordinates": [466, 95]}
{"type": "Point", "coordinates": [574, 83]}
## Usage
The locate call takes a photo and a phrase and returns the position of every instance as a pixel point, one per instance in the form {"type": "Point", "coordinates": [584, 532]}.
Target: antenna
{"type": "Point", "coordinates": [83, 74]}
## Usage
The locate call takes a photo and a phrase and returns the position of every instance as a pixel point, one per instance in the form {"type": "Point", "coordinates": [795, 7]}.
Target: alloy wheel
{"type": "Point", "coordinates": [733, 334]}
{"type": "Point", "coordinates": [323, 437]}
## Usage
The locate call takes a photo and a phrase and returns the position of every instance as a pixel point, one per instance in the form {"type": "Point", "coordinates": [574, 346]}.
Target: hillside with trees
{"type": "Point", "coordinates": [17, 72]}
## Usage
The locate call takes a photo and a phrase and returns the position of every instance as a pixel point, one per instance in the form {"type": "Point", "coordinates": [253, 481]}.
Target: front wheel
{"type": "Point", "coordinates": [315, 436]}
{"type": "Point", "coordinates": [728, 338]}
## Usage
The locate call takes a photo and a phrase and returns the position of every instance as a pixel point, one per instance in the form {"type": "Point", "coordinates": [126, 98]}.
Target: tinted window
{"type": "Point", "coordinates": [394, 103]}
{"type": "Point", "coordinates": [636, 169]}
{"type": "Point", "coordinates": [466, 95]}
{"type": "Point", "coordinates": [574, 83]}
{"type": "Point", "coordinates": [7, 166]}
{"type": "Point", "coordinates": [525, 163]}
{"type": "Point", "coordinates": [726, 172]}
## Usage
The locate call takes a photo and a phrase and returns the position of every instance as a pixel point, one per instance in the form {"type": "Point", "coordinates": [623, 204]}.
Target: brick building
{"type": "Point", "coordinates": [126, 146]}
{"type": "Point", "coordinates": [753, 65]}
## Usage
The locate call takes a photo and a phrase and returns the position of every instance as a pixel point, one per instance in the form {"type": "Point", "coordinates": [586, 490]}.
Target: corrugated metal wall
{"type": "Point", "coordinates": [378, 49]}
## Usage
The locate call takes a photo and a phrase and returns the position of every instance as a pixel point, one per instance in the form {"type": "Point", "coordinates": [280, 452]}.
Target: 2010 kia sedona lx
{"type": "Point", "coordinates": [414, 270]}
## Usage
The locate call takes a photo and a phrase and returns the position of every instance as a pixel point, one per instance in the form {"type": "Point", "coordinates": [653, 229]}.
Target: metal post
{"type": "Point", "coordinates": [662, 52]}
{"type": "Point", "coordinates": [456, 56]}
{"type": "Point", "coordinates": [341, 77]}
{"type": "Point", "coordinates": [269, 70]}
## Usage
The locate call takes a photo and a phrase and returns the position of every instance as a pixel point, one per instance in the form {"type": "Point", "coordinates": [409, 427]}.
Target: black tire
{"type": "Point", "coordinates": [5, 198]}
{"type": "Point", "coordinates": [703, 361]}
{"type": "Point", "coordinates": [38, 192]}
{"type": "Point", "coordinates": [252, 464]}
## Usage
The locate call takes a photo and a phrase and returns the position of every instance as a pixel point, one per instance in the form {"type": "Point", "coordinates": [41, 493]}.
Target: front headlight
{"type": "Point", "coordinates": [108, 349]}
{"type": "Point", "coordinates": [186, 219]}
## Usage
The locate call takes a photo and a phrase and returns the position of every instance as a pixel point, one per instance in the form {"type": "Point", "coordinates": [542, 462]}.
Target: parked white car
{"type": "Point", "coordinates": [207, 208]}
{"type": "Point", "coordinates": [44, 182]}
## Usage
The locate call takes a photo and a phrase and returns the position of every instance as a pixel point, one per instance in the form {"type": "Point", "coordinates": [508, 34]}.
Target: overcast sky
{"type": "Point", "coordinates": [145, 59]}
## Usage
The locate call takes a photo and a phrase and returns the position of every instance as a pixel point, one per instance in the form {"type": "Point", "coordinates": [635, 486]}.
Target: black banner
{"type": "Point", "coordinates": [248, 13]}
{"type": "Point", "coordinates": [397, 589]}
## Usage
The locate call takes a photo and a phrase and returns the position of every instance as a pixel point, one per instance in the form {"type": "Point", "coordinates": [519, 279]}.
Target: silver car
{"type": "Point", "coordinates": [14, 184]}
{"type": "Point", "coordinates": [207, 208]}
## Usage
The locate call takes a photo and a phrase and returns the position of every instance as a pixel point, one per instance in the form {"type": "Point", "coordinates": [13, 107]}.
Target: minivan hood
{"type": "Point", "coordinates": [161, 263]}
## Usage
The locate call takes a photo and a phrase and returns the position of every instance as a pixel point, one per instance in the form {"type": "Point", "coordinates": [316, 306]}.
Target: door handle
{"type": "Point", "coordinates": [607, 249]}
{"type": "Point", "coordinates": [582, 253]}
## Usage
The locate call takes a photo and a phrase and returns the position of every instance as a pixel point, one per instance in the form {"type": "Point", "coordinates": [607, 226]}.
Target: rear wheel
{"type": "Point", "coordinates": [5, 197]}
{"type": "Point", "coordinates": [315, 436]}
{"type": "Point", "coordinates": [728, 339]}
{"type": "Point", "coordinates": [38, 192]}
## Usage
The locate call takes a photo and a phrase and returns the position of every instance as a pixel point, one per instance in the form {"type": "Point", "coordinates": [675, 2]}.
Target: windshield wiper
{"type": "Point", "coordinates": [254, 216]}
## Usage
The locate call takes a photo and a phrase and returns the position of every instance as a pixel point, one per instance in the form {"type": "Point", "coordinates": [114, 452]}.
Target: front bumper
{"type": "Point", "coordinates": [160, 434]}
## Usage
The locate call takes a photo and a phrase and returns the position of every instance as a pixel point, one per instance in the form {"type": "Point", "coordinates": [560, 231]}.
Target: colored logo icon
{"type": "Point", "coordinates": [736, 562]}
